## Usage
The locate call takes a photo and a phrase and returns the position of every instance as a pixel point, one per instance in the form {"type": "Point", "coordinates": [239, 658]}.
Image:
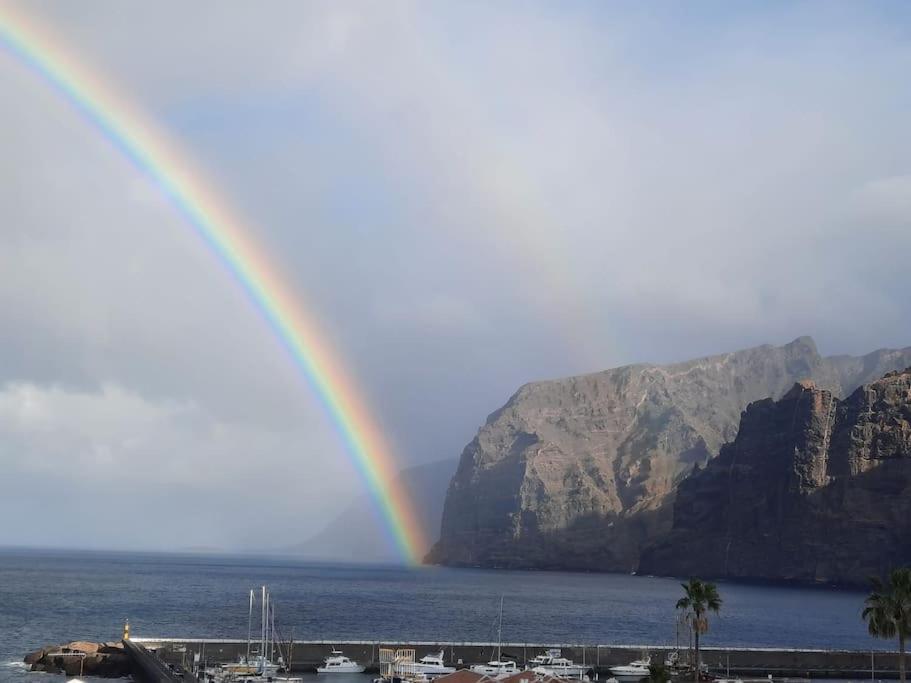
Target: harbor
{"type": "Point", "coordinates": [307, 655]}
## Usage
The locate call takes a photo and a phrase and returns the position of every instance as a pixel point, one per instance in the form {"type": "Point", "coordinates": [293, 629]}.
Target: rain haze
{"type": "Point", "coordinates": [466, 196]}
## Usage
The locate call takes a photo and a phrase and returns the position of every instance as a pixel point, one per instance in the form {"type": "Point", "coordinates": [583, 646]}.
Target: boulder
{"type": "Point", "coordinates": [82, 646]}
{"type": "Point", "coordinates": [87, 658]}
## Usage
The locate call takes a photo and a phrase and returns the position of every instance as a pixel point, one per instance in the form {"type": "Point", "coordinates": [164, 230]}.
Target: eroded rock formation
{"type": "Point", "coordinates": [812, 489]}
{"type": "Point", "coordinates": [80, 657]}
{"type": "Point", "coordinates": [580, 473]}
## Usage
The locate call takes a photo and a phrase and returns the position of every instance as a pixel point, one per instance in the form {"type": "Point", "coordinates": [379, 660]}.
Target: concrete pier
{"type": "Point", "coordinates": [751, 662]}
{"type": "Point", "coordinates": [147, 668]}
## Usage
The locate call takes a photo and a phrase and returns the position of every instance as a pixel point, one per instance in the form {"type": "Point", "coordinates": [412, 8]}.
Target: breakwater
{"type": "Point", "coordinates": [753, 662]}
{"type": "Point", "coordinates": [147, 668]}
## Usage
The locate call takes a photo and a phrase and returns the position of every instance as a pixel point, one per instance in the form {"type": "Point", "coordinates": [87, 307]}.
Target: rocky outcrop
{"type": "Point", "coordinates": [580, 473]}
{"type": "Point", "coordinates": [812, 489]}
{"type": "Point", "coordinates": [81, 658]}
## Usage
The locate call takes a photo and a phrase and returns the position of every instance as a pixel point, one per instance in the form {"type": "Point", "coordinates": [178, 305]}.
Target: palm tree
{"type": "Point", "coordinates": [700, 598]}
{"type": "Point", "coordinates": [887, 611]}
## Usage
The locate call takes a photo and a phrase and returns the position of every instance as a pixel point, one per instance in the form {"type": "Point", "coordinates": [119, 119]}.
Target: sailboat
{"type": "Point", "coordinates": [498, 668]}
{"type": "Point", "coordinates": [256, 666]}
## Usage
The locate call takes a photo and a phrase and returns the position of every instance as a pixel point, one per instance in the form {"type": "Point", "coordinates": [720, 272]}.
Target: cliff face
{"type": "Point", "coordinates": [580, 472]}
{"type": "Point", "coordinates": [812, 489]}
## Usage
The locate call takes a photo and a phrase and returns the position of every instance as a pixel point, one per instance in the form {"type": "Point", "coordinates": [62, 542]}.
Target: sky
{"type": "Point", "coordinates": [467, 196]}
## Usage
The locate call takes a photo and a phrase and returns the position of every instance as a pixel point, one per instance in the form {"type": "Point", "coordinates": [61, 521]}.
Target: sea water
{"type": "Point", "coordinates": [51, 597]}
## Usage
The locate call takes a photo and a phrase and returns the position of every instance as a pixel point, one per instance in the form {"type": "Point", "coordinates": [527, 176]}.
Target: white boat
{"type": "Point", "coordinates": [255, 666]}
{"type": "Point", "coordinates": [552, 663]}
{"type": "Point", "coordinates": [338, 663]}
{"type": "Point", "coordinates": [633, 671]}
{"type": "Point", "coordinates": [498, 668]}
{"type": "Point", "coordinates": [432, 665]}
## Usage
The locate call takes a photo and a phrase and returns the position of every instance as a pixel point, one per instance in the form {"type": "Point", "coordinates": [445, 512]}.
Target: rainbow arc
{"type": "Point", "coordinates": [232, 242]}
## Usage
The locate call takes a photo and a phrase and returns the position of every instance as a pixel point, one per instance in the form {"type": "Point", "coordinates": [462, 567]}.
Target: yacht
{"type": "Point", "coordinates": [432, 665]}
{"type": "Point", "coordinates": [254, 666]}
{"type": "Point", "coordinates": [338, 663]}
{"type": "Point", "coordinates": [633, 671]}
{"type": "Point", "coordinates": [552, 663]}
{"type": "Point", "coordinates": [498, 668]}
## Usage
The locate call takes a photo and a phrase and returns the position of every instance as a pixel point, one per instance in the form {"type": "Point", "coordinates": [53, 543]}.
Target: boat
{"type": "Point", "coordinates": [254, 667]}
{"type": "Point", "coordinates": [338, 663]}
{"type": "Point", "coordinates": [552, 663]}
{"type": "Point", "coordinates": [431, 665]}
{"type": "Point", "coordinates": [634, 671]}
{"type": "Point", "coordinates": [498, 668]}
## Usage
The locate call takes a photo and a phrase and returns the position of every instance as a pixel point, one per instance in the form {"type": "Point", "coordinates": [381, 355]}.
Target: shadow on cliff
{"type": "Point", "coordinates": [592, 542]}
{"type": "Point", "coordinates": [842, 533]}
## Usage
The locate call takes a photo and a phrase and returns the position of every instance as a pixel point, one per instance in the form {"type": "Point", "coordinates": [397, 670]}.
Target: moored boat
{"type": "Point", "coordinates": [338, 663]}
{"type": "Point", "coordinates": [497, 668]}
{"type": "Point", "coordinates": [255, 667]}
{"type": "Point", "coordinates": [432, 665]}
{"type": "Point", "coordinates": [634, 671]}
{"type": "Point", "coordinates": [552, 663]}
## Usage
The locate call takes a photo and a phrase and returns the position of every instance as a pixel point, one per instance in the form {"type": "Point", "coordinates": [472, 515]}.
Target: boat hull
{"type": "Point", "coordinates": [561, 671]}
{"type": "Point", "coordinates": [494, 671]}
{"type": "Point", "coordinates": [345, 669]}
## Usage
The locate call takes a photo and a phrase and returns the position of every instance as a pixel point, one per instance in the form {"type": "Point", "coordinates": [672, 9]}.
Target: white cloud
{"type": "Point", "coordinates": [106, 445]}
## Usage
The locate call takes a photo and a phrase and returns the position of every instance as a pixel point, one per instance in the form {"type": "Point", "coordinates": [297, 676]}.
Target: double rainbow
{"type": "Point", "coordinates": [232, 243]}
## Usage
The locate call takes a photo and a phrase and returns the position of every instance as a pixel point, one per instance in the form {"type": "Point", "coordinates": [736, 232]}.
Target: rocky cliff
{"type": "Point", "coordinates": [812, 489]}
{"type": "Point", "coordinates": [580, 473]}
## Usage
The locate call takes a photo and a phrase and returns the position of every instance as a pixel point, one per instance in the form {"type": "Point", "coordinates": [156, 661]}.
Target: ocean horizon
{"type": "Point", "coordinates": [50, 596]}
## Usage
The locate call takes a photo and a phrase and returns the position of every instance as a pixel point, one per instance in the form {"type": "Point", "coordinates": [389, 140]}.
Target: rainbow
{"type": "Point", "coordinates": [149, 150]}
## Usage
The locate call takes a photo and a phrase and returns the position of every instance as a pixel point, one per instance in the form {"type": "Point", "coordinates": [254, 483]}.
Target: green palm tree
{"type": "Point", "coordinates": [700, 598]}
{"type": "Point", "coordinates": [887, 611]}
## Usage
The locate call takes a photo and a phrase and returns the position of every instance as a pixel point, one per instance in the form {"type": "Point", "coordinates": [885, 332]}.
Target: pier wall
{"type": "Point", "coordinates": [752, 662]}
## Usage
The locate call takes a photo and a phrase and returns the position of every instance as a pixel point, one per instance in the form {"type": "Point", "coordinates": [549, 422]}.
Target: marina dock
{"type": "Point", "coordinates": [744, 662]}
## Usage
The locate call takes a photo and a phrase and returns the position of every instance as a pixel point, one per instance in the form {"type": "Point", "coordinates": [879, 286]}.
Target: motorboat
{"type": "Point", "coordinates": [498, 668]}
{"type": "Point", "coordinates": [432, 665]}
{"type": "Point", "coordinates": [552, 663]}
{"type": "Point", "coordinates": [633, 671]}
{"type": "Point", "coordinates": [338, 663]}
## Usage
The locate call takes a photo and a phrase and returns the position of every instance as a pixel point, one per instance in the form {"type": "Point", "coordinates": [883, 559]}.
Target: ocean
{"type": "Point", "coordinates": [57, 596]}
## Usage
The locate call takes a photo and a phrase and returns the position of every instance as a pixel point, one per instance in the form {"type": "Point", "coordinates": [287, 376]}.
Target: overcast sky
{"type": "Point", "coordinates": [468, 195]}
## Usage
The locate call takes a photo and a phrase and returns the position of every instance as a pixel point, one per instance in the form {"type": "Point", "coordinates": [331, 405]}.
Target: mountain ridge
{"type": "Point", "coordinates": [580, 472]}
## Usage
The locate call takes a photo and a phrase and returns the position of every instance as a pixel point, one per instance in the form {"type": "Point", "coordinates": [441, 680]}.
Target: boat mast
{"type": "Point", "coordinates": [262, 634]}
{"type": "Point", "coordinates": [249, 626]}
{"type": "Point", "coordinates": [500, 630]}
{"type": "Point", "coordinates": [271, 630]}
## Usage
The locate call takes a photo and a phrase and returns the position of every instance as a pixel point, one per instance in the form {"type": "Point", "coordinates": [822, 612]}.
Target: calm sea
{"type": "Point", "coordinates": [57, 596]}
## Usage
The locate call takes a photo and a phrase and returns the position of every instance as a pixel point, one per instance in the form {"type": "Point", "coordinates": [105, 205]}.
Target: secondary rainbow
{"type": "Point", "coordinates": [213, 220]}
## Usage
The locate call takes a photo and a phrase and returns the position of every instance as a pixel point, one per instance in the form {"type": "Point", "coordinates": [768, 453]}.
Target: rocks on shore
{"type": "Point", "coordinates": [81, 658]}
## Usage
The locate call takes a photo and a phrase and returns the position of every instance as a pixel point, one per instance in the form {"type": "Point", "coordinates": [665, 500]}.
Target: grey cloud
{"type": "Point", "coordinates": [471, 197]}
